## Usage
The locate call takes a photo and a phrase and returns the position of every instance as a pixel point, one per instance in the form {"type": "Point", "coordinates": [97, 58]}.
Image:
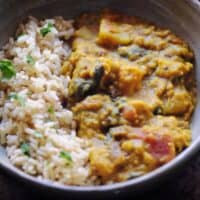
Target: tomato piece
{"type": "Point", "coordinates": [161, 147]}
{"type": "Point", "coordinates": [129, 113]}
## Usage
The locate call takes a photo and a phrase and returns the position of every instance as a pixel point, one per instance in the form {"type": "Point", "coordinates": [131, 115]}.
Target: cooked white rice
{"type": "Point", "coordinates": [38, 118]}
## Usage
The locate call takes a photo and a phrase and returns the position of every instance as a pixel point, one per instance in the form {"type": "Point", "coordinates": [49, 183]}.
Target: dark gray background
{"type": "Point", "coordinates": [186, 186]}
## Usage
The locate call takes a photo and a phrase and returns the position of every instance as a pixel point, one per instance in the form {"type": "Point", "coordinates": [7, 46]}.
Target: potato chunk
{"type": "Point", "coordinates": [116, 76]}
{"type": "Point", "coordinates": [101, 162]}
{"type": "Point", "coordinates": [130, 79]}
{"type": "Point", "coordinates": [179, 103]}
{"type": "Point", "coordinates": [169, 69]}
{"type": "Point", "coordinates": [113, 33]}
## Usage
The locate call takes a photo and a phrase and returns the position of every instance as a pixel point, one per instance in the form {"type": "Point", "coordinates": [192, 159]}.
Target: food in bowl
{"type": "Point", "coordinates": [98, 100]}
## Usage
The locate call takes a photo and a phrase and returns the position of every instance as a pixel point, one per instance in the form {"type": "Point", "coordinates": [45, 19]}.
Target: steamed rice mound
{"type": "Point", "coordinates": [41, 125]}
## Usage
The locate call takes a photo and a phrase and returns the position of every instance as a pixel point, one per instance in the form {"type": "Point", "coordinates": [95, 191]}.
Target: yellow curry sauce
{"type": "Point", "coordinates": [131, 92]}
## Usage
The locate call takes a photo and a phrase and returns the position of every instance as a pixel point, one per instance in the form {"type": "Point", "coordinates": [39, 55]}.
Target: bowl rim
{"type": "Point", "coordinates": [151, 177]}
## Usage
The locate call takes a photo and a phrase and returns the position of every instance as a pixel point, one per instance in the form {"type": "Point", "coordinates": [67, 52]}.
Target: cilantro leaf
{"type": "Point", "coordinates": [30, 60]}
{"type": "Point", "coordinates": [7, 69]}
{"type": "Point", "coordinates": [67, 156]}
{"type": "Point", "coordinates": [46, 29]}
{"type": "Point", "coordinates": [38, 134]}
{"type": "Point", "coordinates": [20, 34]}
{"type": "Point", "coordinates": [18, 98]}
{"type": "Point", "coordinates": [25, 148]}
{"type": "Point", "coordinates": [51, 110]}
{"type": "Point", "coordinates": [13, 96]}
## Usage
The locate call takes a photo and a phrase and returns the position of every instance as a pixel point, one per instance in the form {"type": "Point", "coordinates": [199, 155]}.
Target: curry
{"type": "Point", "coordinates": [132, 92]}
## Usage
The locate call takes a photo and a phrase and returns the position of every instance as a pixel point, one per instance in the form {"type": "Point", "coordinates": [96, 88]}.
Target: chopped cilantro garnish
{"type": "Point", "coordinates": [29, 93]}
{"type": "Point", "coordinates": [38, 134]}
{"type": "Point", "coordinates": [20, 34]}
{"type": "Point", "coordinates": [67, 156]}
{"type": "Point", "coordinates": [51, 110]}
{"type": "Point", "coordinates": [25, 148]}
{"type": "Point", "coordinates": [46, 29]}
{"type": "Point", "coordinates": [13, 96]}
{"type": "Point", "coordinates": [30, 60]}
{"type": "Point", "coordinates": [7, 69]}
{"type": "Point", "coordinates": [18, 98]}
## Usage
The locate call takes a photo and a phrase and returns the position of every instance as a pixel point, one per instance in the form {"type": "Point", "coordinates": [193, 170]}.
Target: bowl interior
{"type": "Point", "coordinates": [179, 16]}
